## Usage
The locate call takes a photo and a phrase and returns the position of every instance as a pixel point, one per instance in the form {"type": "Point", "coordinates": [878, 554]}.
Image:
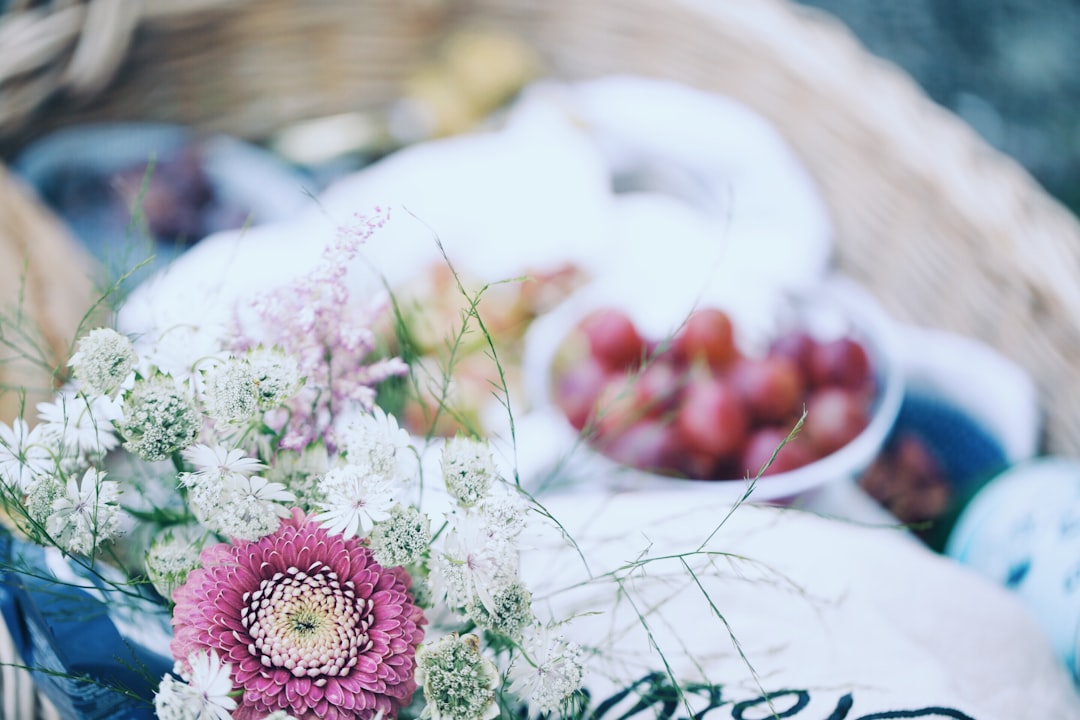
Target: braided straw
{"type": "Point", "coordinates": [946, 231]}
{"type": "Point", "coordinates": [46, 288]}
{"type": "Point", "coordinates": [75, 48]}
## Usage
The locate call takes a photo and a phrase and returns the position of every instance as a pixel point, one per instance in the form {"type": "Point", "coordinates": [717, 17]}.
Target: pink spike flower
{"type": "Point", "coordinates": [310, 623]}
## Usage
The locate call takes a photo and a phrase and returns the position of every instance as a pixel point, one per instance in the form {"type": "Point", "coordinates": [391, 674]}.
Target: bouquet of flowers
{"type": "Point", "coordinates": [244, 483]}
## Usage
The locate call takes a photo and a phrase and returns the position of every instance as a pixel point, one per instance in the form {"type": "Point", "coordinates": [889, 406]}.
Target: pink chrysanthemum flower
{"type": "Point", "coordinates": [311, 624]}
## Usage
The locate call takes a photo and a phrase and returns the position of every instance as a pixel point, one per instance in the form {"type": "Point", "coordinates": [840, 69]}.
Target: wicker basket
{"type": "Point", "coordinates": [947, 232]}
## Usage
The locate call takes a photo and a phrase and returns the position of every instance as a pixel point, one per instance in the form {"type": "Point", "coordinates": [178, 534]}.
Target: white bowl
{"type": "Point", "coordinates": [838, 307]}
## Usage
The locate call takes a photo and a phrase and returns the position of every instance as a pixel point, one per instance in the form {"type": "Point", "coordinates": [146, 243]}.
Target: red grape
{"type": "Point", "coordinates": [613, 338]}
{"type": "Point", "coordinates": [834, 417]}
{"type": "Point", "coordinates": [711, 418]}
{"type": "Point", "coordinates": [575, 388]}
{"type": "Point", "coordinates": [618, 406]}
{"type": "Point", "coordinates": [796, 345]}
{"type": "Point", "coordinates": [842, 362]}
{"type": "Point", "coordinates": [764, 442]}
{"type": "Point", "coordinates": [707, 335]}
{"type": "Point", "coordinates": [657, 387]}
{"type": "Point", "coordinates": [771, 387]}
{"type": "Point", "coordinates": [650, 445]}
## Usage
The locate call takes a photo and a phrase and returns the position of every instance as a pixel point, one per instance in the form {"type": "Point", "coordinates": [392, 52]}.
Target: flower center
{"type": "Point", "coordinates": [310, 622]}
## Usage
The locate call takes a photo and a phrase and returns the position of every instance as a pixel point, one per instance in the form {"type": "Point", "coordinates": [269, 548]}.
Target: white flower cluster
{"type": "Point", "coordinates": [403, 538]}
{"type": "Point", "coordinates": [277, 376]}
{"type": "Point", "coordinates": [548, 671]}
{"type": "Point", "coordinates": [459, 682]}
{"type": "Point", "coordinates": [228, 498]}
{"type": "Point", "coordinates": [234, 390]}
{"type": "Point", "coordinates": [158, 419]}
{"type": "Point", "coordinates": [103, 361]}
{"type": "Point", "coordinates": [173, 554]}
{"type": "Point", "coordinates": [185, 398]}
{"type": "Point", "coordinates": [476, 570]}
{"type": "Point", "coordinates": [373, 480]}
{"type": "Point", "coordinates": [85, 513]}
{"type": "Point", "coordinates": [202, 694]}
{"type": "Point", "coordinates": [41, 466]}
{"type": "Point", "coordinates": [468, 468]}
{"type": "Point", "coordinates": [231, 392]}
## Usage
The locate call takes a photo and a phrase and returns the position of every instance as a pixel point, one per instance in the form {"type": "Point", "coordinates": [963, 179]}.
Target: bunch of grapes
{"type": "Point", "coordinates": [696, 406]}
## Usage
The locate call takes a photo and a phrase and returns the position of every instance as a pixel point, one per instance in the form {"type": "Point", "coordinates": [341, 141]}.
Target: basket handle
{"type": "Point", "coordinates": [75, 47]}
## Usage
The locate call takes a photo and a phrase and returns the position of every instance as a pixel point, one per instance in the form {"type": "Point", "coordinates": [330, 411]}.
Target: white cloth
{"type": "Point", "coordinates": [831, 608]}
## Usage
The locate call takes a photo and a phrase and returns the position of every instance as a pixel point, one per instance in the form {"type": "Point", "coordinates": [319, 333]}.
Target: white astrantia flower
{"type": "Point", "coordinates": [505, 514]}
{"type": "Point", "coordinates": [374, 442]}
{"type": "Point", "coordinates": [468, 469]}
{"type": "Point", "coordinates": [474, 562]}
{"type": "Point", "coordinates": [86, 514]}
{"type": "Point", "coordinates": [244, 508]}
{"type": "Point", "coordinates": [459, 682]}
{"type": "Point", "coordinates": [173, 554]}
{"type": "Point", "coordinates": [103, 361]}
{"type": "Point", "coordinates": [25, 454]}
{"type": "Point", "coordinates": [277, 376]}
{"type": "Point", "coordinates": [301, 472]}
{"type": "Point", "coordinates": [83, 425]}
{"type": "Point", "coordinates": [203, 695]}
{"type": "Point", "coordinates": [158, 419]}
{"type": "Point", "coordinates": [353, 500]}
{"type": "Point", "coordinates": [548, 672]}
{"type": "Point", "coordinates": [402, 538]}
{"type": "Point", "coordinates": [40, 496]}
{"type": "Point", "coordinates": [230, 391]}
{"type": "Point", "coordinates": [511, 612]}
{"type": "Point", "coordinates": [180, 352]}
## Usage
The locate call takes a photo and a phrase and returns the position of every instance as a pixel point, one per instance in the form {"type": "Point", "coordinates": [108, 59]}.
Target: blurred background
{"type": "Point", "coordinates": [1007, 67]}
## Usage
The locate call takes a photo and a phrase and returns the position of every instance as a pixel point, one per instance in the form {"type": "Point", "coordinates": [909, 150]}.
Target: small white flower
{"type": "Point", "coordinates": [40, 496]}
{"type": "Point", "coordinates": [459, 683]}
{"type": "Point", "coordinates": [301, 472]}
{"type": "Point", "coordinates": [172, 556]}
{"type": "Point", "coordinates": [504, 514]}
{"type": "Point", "coordinates": [512, 611]}
{"type": "Point", "coordinates": [103, 361]}
{"type": "Point", "coordinates": [468, 469]}
{"type": "Point", "coordinates": [217, 462]}
{"type": "Point", "coordinates": [230, 392]}
{"type": "Point", "coordinates": [25, 454]}
{"type": "Point", "coordinates": [158, 419]}
{"type": "Point", "coordinates": [375, 442]}
{"type": "Point", "coordinates": [403, 538]}
{"type": "Point", "coordinates": [245, 508]}
{"type": "Point", "coordinates": [83, 425]}
{"type": "Point", "coordinates": [353, 501]}
{"type": "Point", "coordinates": [204, 695]}
{"type": "Point", "coordinates": [548, 672]}
{"type": "Point", "coordinates": [180, 351]}
{"type": "Point", "coordinates": [277, 376]}
{"type": "Point", "coordinates": [475, 563]}
{"type": "Point", "coordinates": [86, 515]}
